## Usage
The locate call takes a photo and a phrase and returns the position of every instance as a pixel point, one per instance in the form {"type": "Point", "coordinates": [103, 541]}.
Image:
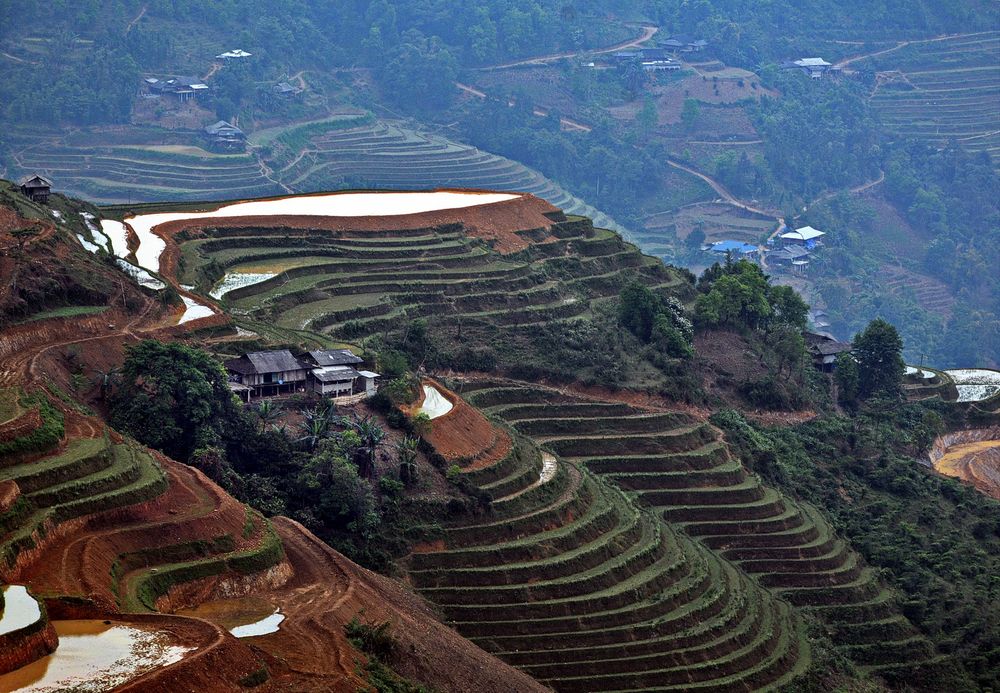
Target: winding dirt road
{"type": "Point", "coordinates": [647, 33]}
{"type": "Point", "coordinates": [909, 42]}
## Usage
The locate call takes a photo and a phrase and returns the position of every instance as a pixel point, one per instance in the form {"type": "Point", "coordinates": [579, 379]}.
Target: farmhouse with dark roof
{"type": "Point", "coordinates": [36, 188]}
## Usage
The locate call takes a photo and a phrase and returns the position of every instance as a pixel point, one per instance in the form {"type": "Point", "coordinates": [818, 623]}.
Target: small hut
{"type": "Point", "coordinates": [36, 188]}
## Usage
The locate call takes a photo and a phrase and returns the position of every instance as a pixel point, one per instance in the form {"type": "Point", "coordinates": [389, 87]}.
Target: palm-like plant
{"type": "Point", "coordinates": [406, 450]}
{"type": "Point", "coordinates": [313, 431]}
{"type": "Point", "coordinates": [372, 438]}
{"type": "Point", "coordinates": [267, 411]}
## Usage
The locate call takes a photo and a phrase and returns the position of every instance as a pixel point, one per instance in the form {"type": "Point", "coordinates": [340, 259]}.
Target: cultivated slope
{"type": "Point", "coordinates": [678, 466]}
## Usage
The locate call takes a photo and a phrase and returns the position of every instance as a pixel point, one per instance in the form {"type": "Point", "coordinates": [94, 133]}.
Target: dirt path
{"type": "Point", "coordinates": [211, 71]}
{"type": "Point", "coordinates": [647, 33]}
{"type": "Point", "coordinates": [726, 196]}
{"type": "Point", "coordinates": [538, 111]}
{"type": "Point", "coordinates": [142, 13]}
{"type": "Point", "coordinates": [903, 44]}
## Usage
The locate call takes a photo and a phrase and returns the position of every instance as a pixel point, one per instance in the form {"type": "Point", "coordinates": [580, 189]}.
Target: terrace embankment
{"type": "Point", "coordinates": [972, 456]}
{"type": "Point", "coordinates": [678, 466]}
{"type": "Point", "coordinates": [567, 578]}
{"type": "Point", "coordinates": [118, 528]}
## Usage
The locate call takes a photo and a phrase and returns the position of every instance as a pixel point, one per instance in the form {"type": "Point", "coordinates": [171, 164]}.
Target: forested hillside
{"type": "Point", "coordinates": [894, 157]}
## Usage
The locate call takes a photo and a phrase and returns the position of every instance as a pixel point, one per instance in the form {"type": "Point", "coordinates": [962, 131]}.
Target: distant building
{"type": "Point", "coordinates": [36, 188]}
{"type": "Point", "coordinates": [682, 43]}
{"type": "Point", "coordinates": [183, 88]}
{"type": "Point", "coordinates": [806, 236]}
{"type": "Point", "coordinates": [285, 89]}
{"type": "Point", "coordinates": [267, 372]}
{"type": "Point", "coordinates": [627, 56]}
{"type": "Point", "coordinates": [814, 67]}
{"type": "Point", "coordinates": [660, 65]}
{"type": "Point", "coordinates": [824, 350]}
{"type": "Point", "coordinates": [737, 248]}
{"type": "Point", "coordinates": [225, 136]}
{"type": "Point", "coordinates": [335, 374]}
{"type": "Point", "coordinates": [233, 54]}
{"type": "Point", "coordinates": [788, 255]}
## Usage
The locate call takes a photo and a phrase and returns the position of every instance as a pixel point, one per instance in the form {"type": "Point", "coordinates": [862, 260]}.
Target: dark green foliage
{"type": "Point", "coordinates": [173, 398]}
{"type": "Point", "coordinates": [654, 319]}
{"type": "Point", "coordinates": [376, 641]}
{"type": "Point", "coordinates": [42, 438]}
{"type": "Point", "coordinates": [878, 351]}
{"type": "Point", "coordinates": [847, 378]}
{"type": "Point", "coordinates": [739, 294]}
{"type": "Point", "coordinates": [937, 540]}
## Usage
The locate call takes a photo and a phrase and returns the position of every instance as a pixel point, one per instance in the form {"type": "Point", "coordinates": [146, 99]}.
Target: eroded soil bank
{"type": "Point", "coordinates": [972, 455]}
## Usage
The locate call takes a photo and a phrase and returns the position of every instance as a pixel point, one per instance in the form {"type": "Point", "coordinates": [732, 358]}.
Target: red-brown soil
{"type": "Point", "coordinates": [9, 493]}
{"type": "Point", "coordinates": [463, 436]}
{"type": "Point", "coordinates": [972, 456]}
{"type": "Point", "coordinates": [328, 590]}
{"type": "Point", "coordinates": [497, 223]}
{"type": "Point", "coordinates": [321, 591]}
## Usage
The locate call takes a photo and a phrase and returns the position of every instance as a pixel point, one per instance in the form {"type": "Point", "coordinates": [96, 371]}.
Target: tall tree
{"type": "Point", "coordinates": [879, 352]}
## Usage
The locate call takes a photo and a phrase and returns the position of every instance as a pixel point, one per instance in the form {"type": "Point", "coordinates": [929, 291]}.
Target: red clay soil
{"type": "Point", "coordinates": [9, 493]}
{"type": "Point", "coordinates": [498, 223]}
{"type": "Point", "coordinates": [328, 590]}
{"type": "Point", "coordinates": [218, 662]}
{"type": "Point", "coordinates": [463, 436]}
{"type": "Point", "coordinates": [310, 652]}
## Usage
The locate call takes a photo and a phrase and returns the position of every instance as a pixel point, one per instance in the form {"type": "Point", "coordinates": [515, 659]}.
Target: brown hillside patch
{"type": "Point", "coordinates": [497, 223]}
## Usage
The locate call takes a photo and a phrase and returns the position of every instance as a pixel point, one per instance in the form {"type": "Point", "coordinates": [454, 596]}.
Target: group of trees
{"type": "Point", "coordinates": [738, 294]}
{"type": "Point", "coordinates": [324, 471]}
{"type": "Point", "coordinates": [656, 320]}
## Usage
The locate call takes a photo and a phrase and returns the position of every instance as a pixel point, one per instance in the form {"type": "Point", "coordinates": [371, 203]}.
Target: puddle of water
{"type": "Point", "coordinates": [87, 244]}
{"type": "Point", "coordinates": [244, 618]}
{"type": "Point", "coordinates": [193, 311]}
{"type": "Point", "coordinates": [332, 205]}
{"type": "Point", "coordinates": [140, 275]}
{"type": "Point", "coordinates": [435, 404]}
{"type": "Point", "coordinates": [117, 234]}
{"type": "Point", "coordinates": [19, 610]}
{"type": "Point", "coordinates": [237, 280]}
{"type": "Point", "coordinates": [549, 466]}
{"type": "Point", "coordinates": [94, 656]}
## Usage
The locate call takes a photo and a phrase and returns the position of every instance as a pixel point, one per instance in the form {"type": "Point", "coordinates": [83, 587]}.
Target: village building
{"type": "Point", "coordinates": [737, 248]}
{"type": "Point", "coordinates": [814, 67]}
{"type": "Point", "coordinates": [225, 137]}
{"type": "Point", "coordinates": [329, 373]}
{"type": "Point", "coordinates": [682, 43]}
{"type": "Point", "coordinates": [806, 236]}
{"type": "Point", "coordinates": [235, 54]}
{"type": "Point", "coordinates": [660, 65]}
{"type": "Point", "coordinates": [788, 255]}
{"type": "Point", "coordinates": [184, 88]}
{"type": "Point", "coordinates": [267, 373]}
{"type": "Point", "coordinates": [285, 89]}
{"type": "Point", "coordinates": [824, 350]}
{"type": "Point", "coordinates": [36, 188]}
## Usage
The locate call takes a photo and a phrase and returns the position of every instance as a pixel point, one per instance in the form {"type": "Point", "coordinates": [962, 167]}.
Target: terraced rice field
{"type": "Point", "coordinates": [718, 222]}
{"type": "Point", "coordinates": [681, 470]}
{"type": "Point", "coordinates": [569, 579]}
{"type": "Point", "coordinates": [360, 283]}
{"type": "Point", "coordinates": [942, 91]}
{"type": "Point", "coordinates": [382, 155]}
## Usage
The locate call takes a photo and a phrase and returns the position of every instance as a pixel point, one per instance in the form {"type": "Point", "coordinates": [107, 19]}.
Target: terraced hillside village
{"type": "Point", "coordinates": [572, 504]}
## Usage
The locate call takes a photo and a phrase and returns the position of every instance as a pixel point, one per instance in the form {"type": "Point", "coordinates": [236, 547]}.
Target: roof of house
{"type": "Point", "coordinates": [334, 357]}
{"type": "Point", "coordinates": [222, 128]}
{"type": "Point", "coordinates": [806, 233]}
{"type": "Point", "coordinates": [237, 53]}
{"type": "Point", "coordinates": [284, 88]}
{"type": "Point", "coordinates": [369, 374]}
{"type": "Point", "coordinates": [733, 247]}
{"type": "Point", "coordinates": [334, 374]}
{"type": "Point", "coordinates": [812, 62]}
{"type": "Point", "coordinates": [789, 253]}
{"type": "Point", "coordinates": [824, 345]}
{"type": "Point", "coordinates": [34, 177]}
{"type": "Point", "coordinates": [265, 362]}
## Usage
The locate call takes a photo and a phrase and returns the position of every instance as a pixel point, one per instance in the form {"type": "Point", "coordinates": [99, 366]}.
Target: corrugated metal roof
{"type": "Point", "coordinates": [334, 357]}
{"type": "Point", "coordinates": [274, 361]}
{"type": "Point", "coordinates": [335, 374]}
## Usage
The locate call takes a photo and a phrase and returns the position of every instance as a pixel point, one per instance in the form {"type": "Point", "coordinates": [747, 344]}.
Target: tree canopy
{"type": "Point", "coordinates": [879, 352]}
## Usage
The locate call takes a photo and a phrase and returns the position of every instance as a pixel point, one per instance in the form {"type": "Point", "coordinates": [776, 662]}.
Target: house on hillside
{"type": "Point", "coordinates": [267, 373]}
{"type": "Point", "coordinates": [284, 89]}
{"type": "Point", "coordinates": [788, 255]}
{"type": "Point", "coordinates": [738, 249]}
{"type": "Point", "coordinates": [335, 375]}
{"type": "Point", "coordinates": [183, 88]}
{"type": "Point", "coordinates": [682, 43]}
{"type": "Point", "coordinates": [223, 136]}
{"type": "Point", "coordinates": [814, 67]}
{"type": "Point", "coordinates": [622, 57]}
{"type": "Point", "coordinates": [824, 349]}
{"type": "Point", "coordinates": [807, 236]}
{"type": "Point", "coordinates": [36, 188]}
{"type": "Point", "coordinates": [234, 54]}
